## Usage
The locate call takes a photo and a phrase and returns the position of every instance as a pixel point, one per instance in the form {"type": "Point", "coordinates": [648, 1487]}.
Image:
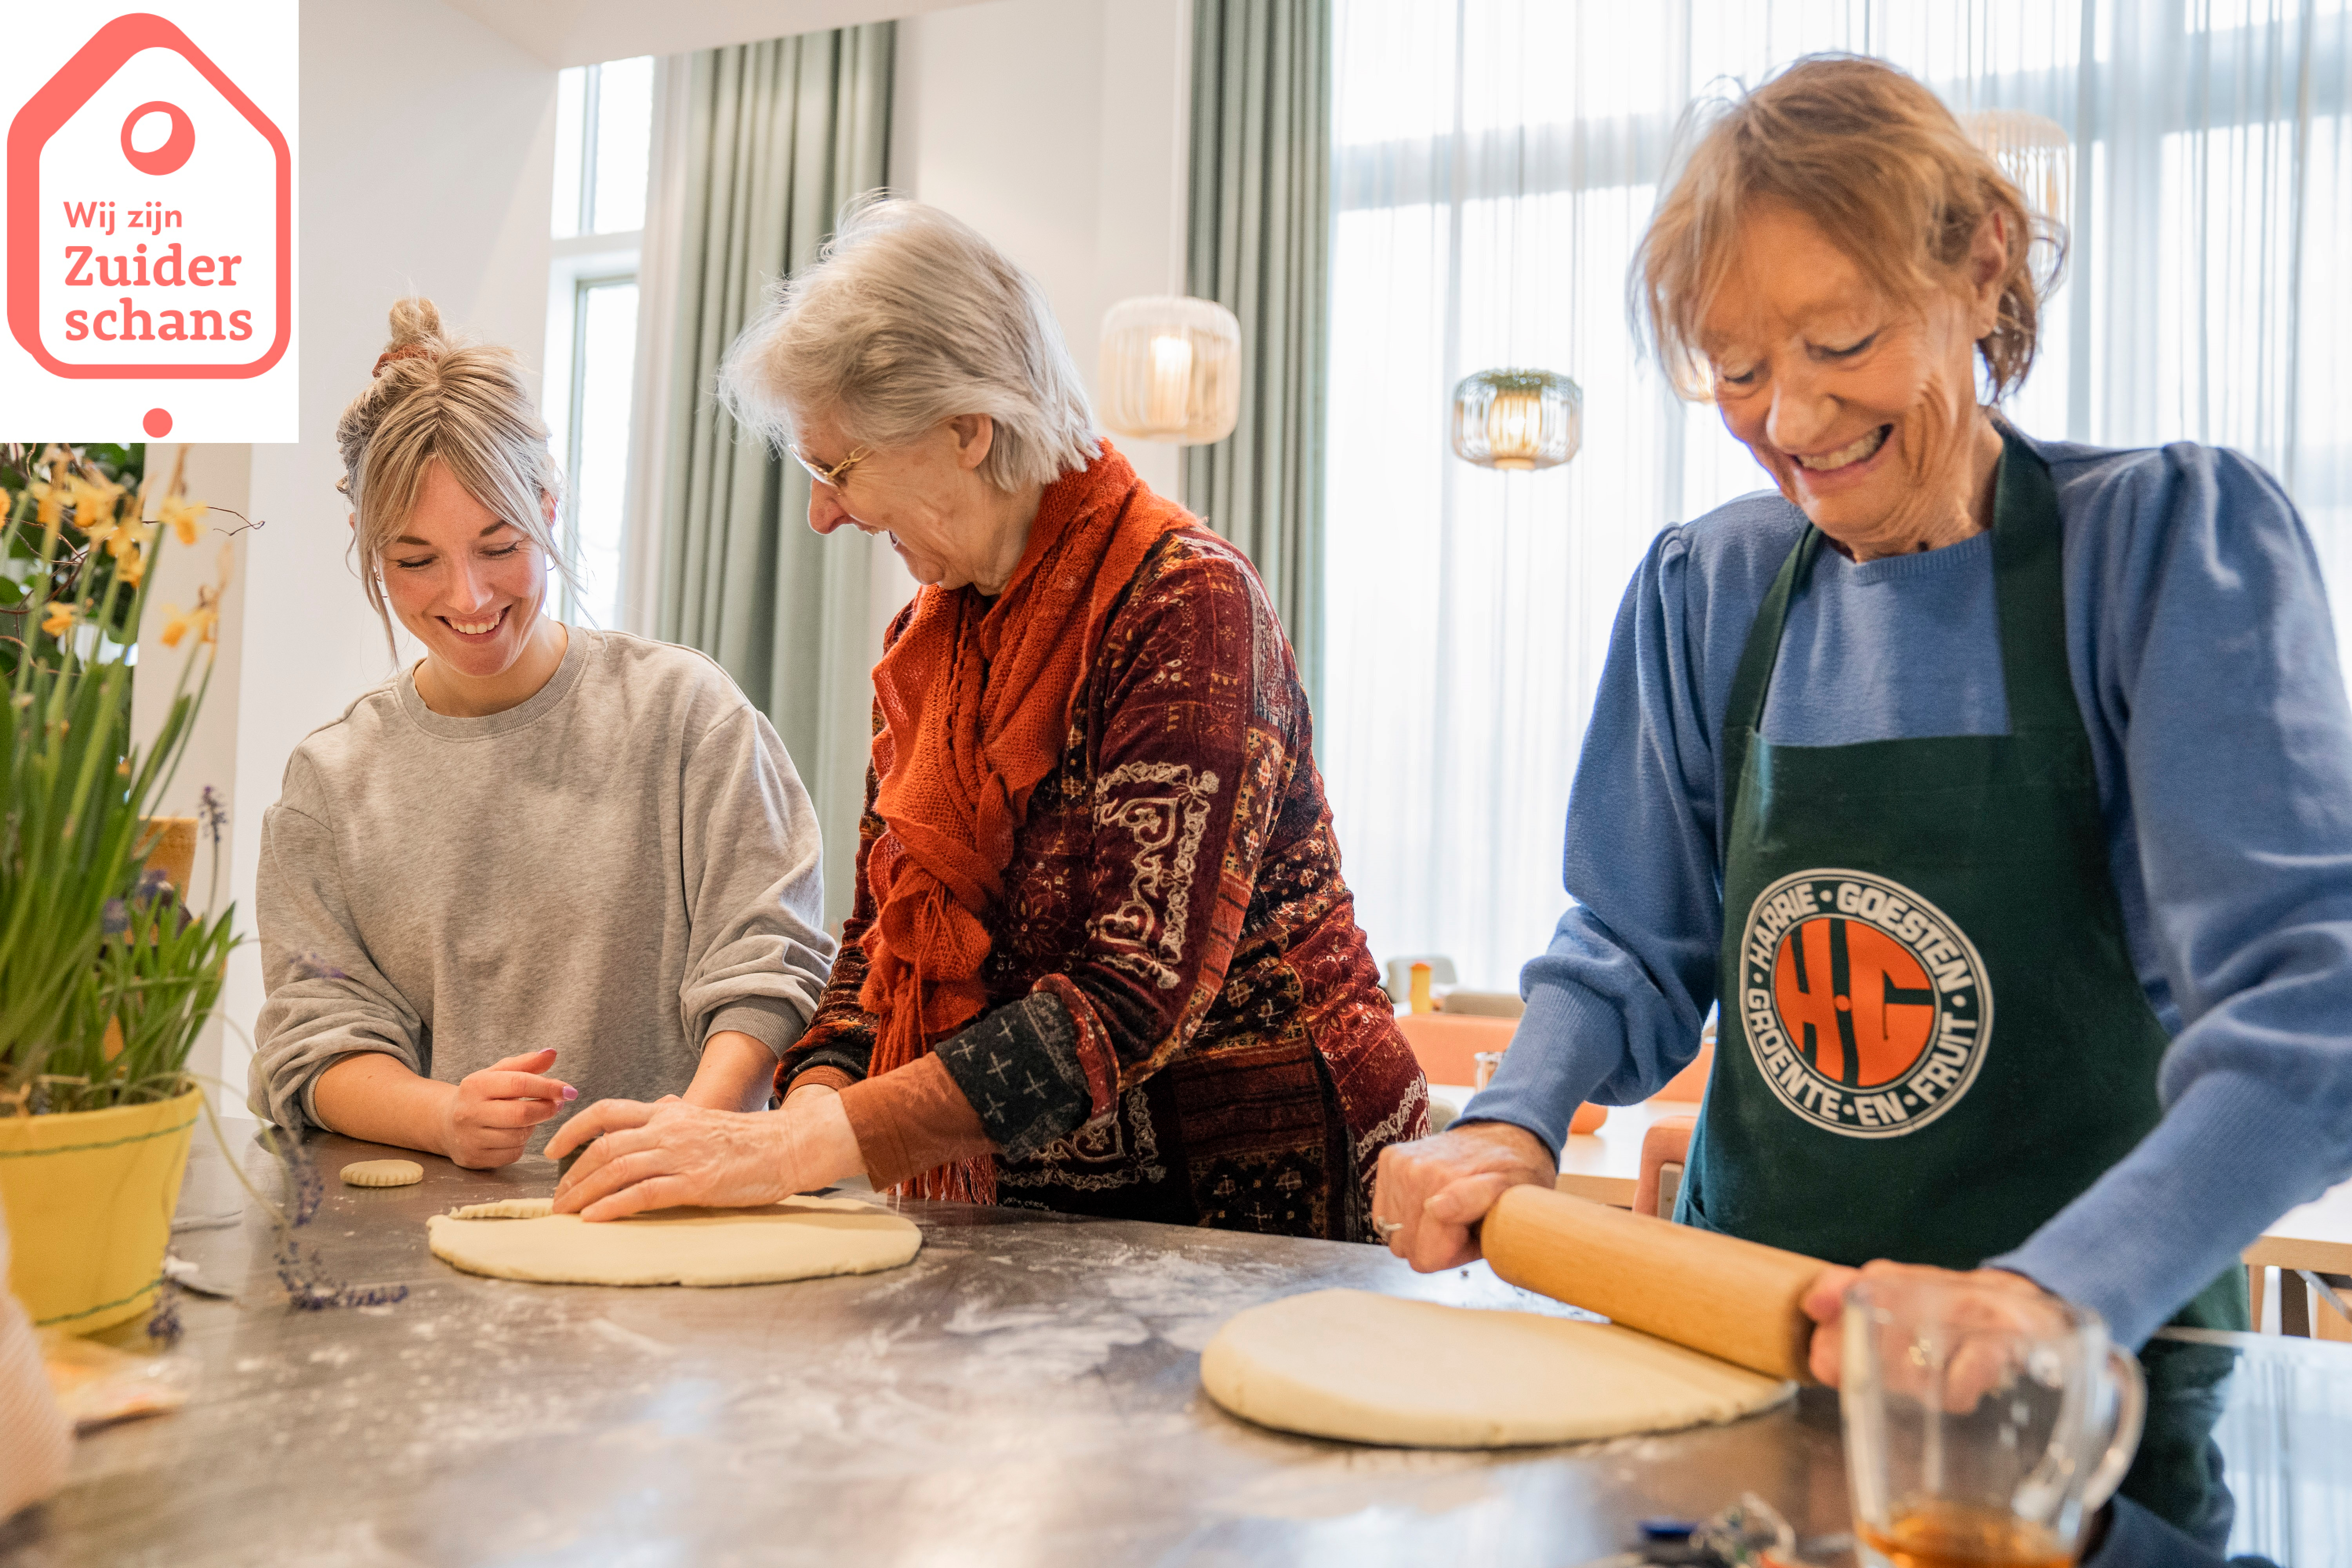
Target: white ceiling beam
{"type": "Point", "coordinates": [582, 32]}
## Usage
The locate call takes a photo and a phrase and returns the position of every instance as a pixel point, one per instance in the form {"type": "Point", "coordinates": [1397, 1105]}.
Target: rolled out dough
{"type": "Point", "coordinates": [1376, 1369]}
{"type": "Point", "coordinates": [800, 1238]}
{"type": "Point", "coordinates": [383, 1174]}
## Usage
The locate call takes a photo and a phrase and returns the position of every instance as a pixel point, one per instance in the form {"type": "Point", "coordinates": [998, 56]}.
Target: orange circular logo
{"type": "Point", "coordinates": [1866, 1008]}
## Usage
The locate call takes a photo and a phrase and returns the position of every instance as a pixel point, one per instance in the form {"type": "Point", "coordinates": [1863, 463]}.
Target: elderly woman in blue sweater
{"type": "Point", "coordinates": [1999, 791]}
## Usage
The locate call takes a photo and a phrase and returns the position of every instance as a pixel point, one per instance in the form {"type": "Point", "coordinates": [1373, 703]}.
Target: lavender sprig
{"type": "Point", "coordinates": [310, 1286]}
{"type": "Point", "coordinates": [163, 1325]}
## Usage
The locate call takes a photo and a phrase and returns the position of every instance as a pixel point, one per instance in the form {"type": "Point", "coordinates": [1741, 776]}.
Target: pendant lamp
{"type": "Point", "coordinates": [1172, 370]}
{"type": "Point", "coordinates": [1518, 419]}
{"type": "Point", "coordinates": [2034, 151]}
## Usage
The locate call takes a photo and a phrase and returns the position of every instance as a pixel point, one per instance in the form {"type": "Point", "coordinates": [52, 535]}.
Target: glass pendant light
{"type": "Point", "coordinates": [1518, 419]}
{"type": "Point", "coordinates": [1172, 370]}
{"type": "Point", "coordinates": [2034, 151]}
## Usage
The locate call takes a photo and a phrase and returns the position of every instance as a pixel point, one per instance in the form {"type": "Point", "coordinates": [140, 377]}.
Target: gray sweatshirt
{"type": "Point", "coordinates": [618, 868]}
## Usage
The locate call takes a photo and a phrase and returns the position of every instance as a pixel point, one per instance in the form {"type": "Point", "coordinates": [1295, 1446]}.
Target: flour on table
{"type": "Point", "coordinates": [1378, 1369]}
{"type": "Point", "coordinates": [800, 1238]}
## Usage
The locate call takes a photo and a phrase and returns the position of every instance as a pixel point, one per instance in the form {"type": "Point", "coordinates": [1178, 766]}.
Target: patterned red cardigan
{"type": "Point", "coordinates": [1185, 1024]}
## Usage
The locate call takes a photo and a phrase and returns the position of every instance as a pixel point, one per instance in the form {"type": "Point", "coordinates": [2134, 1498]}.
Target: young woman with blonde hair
{"type": "Point", "coordinates": [538, 841]}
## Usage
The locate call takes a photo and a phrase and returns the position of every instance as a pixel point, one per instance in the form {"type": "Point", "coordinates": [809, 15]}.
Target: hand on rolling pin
{"type": "Point", "coordinates": [489, 1121]}
{"type": "Point", "coordinates": [1428, 1193]}
{"type": "Point", "coordinates": [639, 1156]}
{"type": "Point", "coordinates": [1985, 1298]}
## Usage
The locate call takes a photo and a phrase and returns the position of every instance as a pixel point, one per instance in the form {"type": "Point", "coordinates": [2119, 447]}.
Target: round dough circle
{"type": "Point", "coordinates": [1377, 1369]}
{"type": "Point", "coordinates": [383, 1174]}
{"type": "Point", "coordinates": [800, 1238]}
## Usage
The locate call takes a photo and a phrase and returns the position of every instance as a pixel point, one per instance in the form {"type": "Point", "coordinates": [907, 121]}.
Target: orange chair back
{"type": "Point", "coordinates": [1691, 1082]}
{"type": "Point", "coordinates": [1447, 1044]}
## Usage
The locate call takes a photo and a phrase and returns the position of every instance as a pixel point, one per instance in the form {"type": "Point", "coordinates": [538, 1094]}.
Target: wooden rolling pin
{"type": "Point", "coordinates": [1739, 1301]}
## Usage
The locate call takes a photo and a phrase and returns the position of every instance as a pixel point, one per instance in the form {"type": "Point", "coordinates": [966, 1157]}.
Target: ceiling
{"type": "Point", "coordinates": [581, 32]}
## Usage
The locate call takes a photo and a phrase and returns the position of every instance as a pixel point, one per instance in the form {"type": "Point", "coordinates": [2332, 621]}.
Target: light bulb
{"type": "Point", "coordinates": [1172, 380]}
{"type": "Point", "coordinates": [1514, 428]}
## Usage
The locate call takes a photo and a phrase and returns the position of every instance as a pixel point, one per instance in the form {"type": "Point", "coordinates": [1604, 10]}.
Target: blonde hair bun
{"type": "Point", "coordinates": [414, 320]}
{"type": "Point", "coordinates": [436, 399]}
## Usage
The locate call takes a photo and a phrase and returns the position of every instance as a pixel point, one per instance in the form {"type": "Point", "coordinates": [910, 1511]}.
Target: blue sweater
{"type": "Point", "coordinates": [2204, 660]}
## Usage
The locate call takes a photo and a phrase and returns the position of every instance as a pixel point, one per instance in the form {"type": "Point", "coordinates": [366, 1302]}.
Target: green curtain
{"type": "Point", "coordinates": [1260, 245]}
{"type": "Point", "coordinates": [780, 135]}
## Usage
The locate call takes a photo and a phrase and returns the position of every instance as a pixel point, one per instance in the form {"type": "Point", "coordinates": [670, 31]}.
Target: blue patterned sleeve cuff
{"type": "Point", "coordinates": [1019, 1067]}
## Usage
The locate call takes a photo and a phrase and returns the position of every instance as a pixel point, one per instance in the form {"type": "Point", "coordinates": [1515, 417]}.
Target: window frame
{"type": "Point", "coordinates": [577, 263]}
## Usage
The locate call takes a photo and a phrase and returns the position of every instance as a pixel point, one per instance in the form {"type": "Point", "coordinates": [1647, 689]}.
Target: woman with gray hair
{"type": "Point", "coordinates": [1101, 958]}
{"type": "Point", "coordinates": [539, 841]}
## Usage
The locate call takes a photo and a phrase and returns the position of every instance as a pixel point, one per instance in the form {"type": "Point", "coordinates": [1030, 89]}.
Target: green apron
{"type": "Point", "coordinates": [1932, 1037]}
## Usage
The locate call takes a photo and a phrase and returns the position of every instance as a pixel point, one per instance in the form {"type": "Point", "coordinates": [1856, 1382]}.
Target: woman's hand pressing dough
{"type": "Point", "coordinates": [639, 1156]}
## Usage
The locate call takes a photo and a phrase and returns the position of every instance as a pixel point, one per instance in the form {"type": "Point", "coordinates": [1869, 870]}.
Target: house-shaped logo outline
{"type": "Point", "coordinates": [45, 113]}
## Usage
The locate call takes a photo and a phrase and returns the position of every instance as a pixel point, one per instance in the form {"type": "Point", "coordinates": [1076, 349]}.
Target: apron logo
{"type": "Point", "coordinates": [1867, 1009]}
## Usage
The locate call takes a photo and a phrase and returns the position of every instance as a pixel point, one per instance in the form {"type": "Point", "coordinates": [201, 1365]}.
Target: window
{"type": "Point", "coordinates": [603, 120]}
{"type": "Point", "coordinates": [1494, 162]}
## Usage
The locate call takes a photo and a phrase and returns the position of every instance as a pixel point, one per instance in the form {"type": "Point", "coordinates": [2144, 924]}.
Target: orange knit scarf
{"type": "Point", "coordinates": [976, 703]}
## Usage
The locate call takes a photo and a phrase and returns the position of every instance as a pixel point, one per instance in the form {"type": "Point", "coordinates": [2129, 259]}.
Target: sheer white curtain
{"type": "Point", "coordinates": [1494, 163]}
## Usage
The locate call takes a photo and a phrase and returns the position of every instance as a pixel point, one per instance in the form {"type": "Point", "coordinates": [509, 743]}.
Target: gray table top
{"type": "Point", "coordinates": [1026, 1392]}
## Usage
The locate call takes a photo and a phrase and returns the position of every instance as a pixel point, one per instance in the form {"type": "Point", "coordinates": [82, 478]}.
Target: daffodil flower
{"type": "Point", "coordinates": [179, 622]}
{"type": "Point", "coordinates": [93, 502]}
{"type": "Point", "coordinates": [127, 539]}
{"type": "Point", "coordinates": [203, 620]}
{"type": "Point", "coordinates": [186, 516]}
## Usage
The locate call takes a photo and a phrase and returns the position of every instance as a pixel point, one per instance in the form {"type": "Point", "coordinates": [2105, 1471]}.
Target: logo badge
{"type": "Point", "coordinates": [1867, 1009]}
{"type": "Point", "coordinates": [151, 232]}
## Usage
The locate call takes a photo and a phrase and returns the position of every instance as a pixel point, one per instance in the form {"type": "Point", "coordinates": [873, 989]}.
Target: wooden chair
{"type": "Point", "coordinates": [2313, 1304]}
{"type": "Point", "coordinates": [1690, 1084]}
{"type": "Point", "coordinates": [1481, 1004]}
{"type": "Point", "coordinates": [1665, 1150]}
{"type": "Point", "coordinates": [1447, 1046]}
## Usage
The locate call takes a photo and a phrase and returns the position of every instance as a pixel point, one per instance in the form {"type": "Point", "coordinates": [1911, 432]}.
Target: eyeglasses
{"type": "Point", "coordinates": [832, 476]}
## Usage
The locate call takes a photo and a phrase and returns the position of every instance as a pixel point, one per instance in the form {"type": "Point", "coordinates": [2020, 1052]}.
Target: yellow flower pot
{"type": "Point", "coordinates": [89, 1195]}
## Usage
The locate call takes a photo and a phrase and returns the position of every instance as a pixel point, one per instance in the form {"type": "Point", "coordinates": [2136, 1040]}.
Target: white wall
{"type": "Point", "coordinates": [583, 32]}
{"type": "Point", "coordinates": [1057, 129]}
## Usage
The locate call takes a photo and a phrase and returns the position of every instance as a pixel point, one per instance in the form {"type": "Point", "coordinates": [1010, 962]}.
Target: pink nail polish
{"type": "Point", "coordinates": [570, 1092]}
